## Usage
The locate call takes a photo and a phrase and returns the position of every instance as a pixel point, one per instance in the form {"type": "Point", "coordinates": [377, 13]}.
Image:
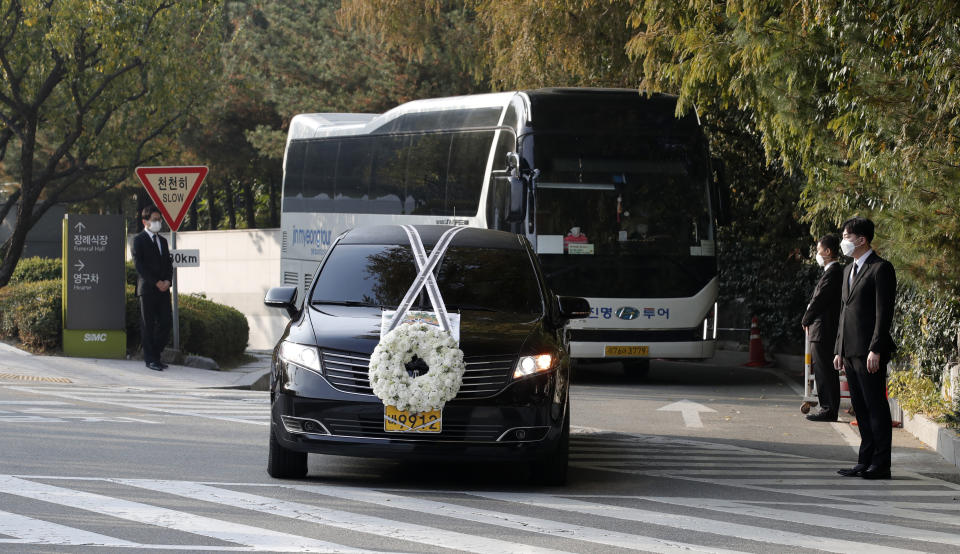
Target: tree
{"type": "Point", "coordinates": [860, 97]}
{"type": "Point", "coordinates": [89, 90]}
{"type": "Point", "coordinates": [296, 57]}
{"type": "Point", "coordinates": [510, 44]}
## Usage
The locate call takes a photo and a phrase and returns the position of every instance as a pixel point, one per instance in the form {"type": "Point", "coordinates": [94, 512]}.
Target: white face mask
{"type": "Point", "coordinates": [847, 247]}
{"type": "Point", "coordinates": [155, 226]}
{"type": "Point", "coordinates": [820, 261]}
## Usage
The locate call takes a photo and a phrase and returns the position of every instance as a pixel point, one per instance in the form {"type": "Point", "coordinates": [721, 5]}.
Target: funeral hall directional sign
{"type": "Point", "coordinates": [173, 189]}
{"type": "Point", "coordinates": [94, 277]}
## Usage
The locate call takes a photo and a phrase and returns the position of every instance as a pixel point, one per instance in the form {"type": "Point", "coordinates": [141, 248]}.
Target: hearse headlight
{"type": "Point", "coordinates": [528, 365]}
{"type": "Point", "coordinates": [301, 355]}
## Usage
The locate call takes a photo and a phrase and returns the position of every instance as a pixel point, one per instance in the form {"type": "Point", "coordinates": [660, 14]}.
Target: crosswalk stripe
{"type": "Point", "coordinates": [508, 520]}
{"type": "Point", "coordinates": [811, 472]}
{"type": "Point", "coordinates": [886, 485]}
{"type": "Point", "coordinates": [28, 530]}
{"type": "Point", "coordinates": [678, 457]}
{"type": "Point", "coordinates": [118, 399]}
{"type": "Point", "coordinates": [892, 510]}
{"type": "Point", "coordinates": [580, 445]}
{"type": "Point", "coordinates": [246, 535]}
{"type": "Point", "coordinates": [806, 518]}
{"type": "Point", "coordinates": [691, 523]}
{"type": "Point", "coordinates": [692, 465]}
{"type": "Point", "coordinates": [335, 518]}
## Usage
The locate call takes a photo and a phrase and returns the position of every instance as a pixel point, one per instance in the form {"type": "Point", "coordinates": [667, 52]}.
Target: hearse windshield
{"type": "Point", "coordinates": [481, 279]}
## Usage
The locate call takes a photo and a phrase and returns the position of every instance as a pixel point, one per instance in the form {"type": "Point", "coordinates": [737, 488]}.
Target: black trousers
{"type": "Point", "coordinates": [868, 394]}
{"type": "Point", "coordinates": [827, 378]}
{"type": "Point", "coordinates": [156, 317]}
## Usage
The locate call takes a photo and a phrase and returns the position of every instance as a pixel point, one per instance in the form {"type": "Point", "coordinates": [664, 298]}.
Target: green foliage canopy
{"type": "Point", "coordinates": [296, 57]}
{"type": "Point", "coordinates": [89, 89]}
{"type": "Point", "coordinates": [860, 97]}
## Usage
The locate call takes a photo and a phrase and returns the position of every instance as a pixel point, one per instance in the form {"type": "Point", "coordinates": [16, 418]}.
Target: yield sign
{"type": "Point", "coordinates": [172, 189]}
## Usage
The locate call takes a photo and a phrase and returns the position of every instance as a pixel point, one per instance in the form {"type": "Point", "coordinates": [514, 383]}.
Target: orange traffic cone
{"type": "Point", "coordinates": [757, 358]}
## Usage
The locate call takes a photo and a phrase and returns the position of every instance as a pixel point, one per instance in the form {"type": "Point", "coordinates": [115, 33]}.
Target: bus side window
{"type": "Point", "coordinates": [319, 171]}
{"type": "Point", "coordinates": [387, 194]}
{"type": "Point", "coordinates": [468, 160]}
{"type": "Point", "coordinates": [353, 173]}
{"type": "Point", "coordinates": [293, 172]}
{"type": "Point", "coordinates": [426, 175]}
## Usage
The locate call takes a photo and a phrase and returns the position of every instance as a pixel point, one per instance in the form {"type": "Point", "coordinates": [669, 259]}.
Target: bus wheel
{"type": "Point", "coordinates": [636, 368]}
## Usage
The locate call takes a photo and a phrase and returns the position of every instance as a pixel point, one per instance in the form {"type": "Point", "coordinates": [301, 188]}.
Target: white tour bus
{"type": "Point", "coordinates": [612, 189]}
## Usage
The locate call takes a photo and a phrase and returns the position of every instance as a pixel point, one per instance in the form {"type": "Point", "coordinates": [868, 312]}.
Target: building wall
{"type": "Point", "coordinates": [45, 239]}
{"type": "Point", "coordinates": [237, 267]}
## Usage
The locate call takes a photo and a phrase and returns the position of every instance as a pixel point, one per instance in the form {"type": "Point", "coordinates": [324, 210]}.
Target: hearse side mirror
{"type": "Point", "coordinates": [283, 297]}
{"type": "Point", "coordinates": [573, 307]}
{"type": "Point", "coordinates": [518, 199]}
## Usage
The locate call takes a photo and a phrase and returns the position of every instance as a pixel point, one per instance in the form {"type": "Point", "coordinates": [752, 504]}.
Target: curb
{"type": "Point", "coordinates": [945, 441]}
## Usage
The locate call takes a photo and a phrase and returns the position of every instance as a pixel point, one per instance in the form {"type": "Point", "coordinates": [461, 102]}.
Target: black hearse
{"type": "Point", "coordinates": [513, 404]}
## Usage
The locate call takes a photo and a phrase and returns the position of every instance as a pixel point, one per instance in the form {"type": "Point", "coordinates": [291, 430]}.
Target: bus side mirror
{"type": "Point", "coordinates": [518, 199]}
{"type": "Point", "coordinates": [283, 297]}
{"type": "Point", "coordinates": [720, 193]}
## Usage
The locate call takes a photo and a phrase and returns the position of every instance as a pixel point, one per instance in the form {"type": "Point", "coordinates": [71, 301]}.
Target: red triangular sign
{"type": "Point", "coordinates": [172, 189]}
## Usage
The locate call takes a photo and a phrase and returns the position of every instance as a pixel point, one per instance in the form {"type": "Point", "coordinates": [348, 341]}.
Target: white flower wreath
{"type": "Point", "coordinates": [388, 372]}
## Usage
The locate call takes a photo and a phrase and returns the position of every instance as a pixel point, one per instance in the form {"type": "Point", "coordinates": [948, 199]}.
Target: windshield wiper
{"type": "Point", "coordinates": [352, 303]}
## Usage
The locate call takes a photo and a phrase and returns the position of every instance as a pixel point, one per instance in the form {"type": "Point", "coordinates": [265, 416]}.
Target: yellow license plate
{"type": "Point", "coordinates": [626, 351]}
{"type": "Point", "coordinates": [399, 421]}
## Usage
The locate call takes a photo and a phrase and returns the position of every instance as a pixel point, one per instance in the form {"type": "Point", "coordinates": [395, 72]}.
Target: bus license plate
{"type": "Point", "coordinates": [626, 351]}
{"type": "Point", "coordinates": [399, 421]}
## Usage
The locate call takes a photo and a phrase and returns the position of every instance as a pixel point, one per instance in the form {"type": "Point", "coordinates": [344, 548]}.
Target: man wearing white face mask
{"type": "Point", "coordinates": [151, 255]}
{"type": "Point", "coordinates": [864, 345]}
{"type": "Point", "coordinates": [820, 323]}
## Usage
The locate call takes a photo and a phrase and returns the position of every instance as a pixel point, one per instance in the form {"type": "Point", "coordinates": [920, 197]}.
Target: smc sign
{"type": "Point", "coordinates": [95, 337]}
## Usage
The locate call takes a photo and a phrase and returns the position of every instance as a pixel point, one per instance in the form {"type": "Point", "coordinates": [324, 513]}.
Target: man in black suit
{"type": "Point", "coordinates": [820, 322]}
{"type": "Point", "coordinates": [154, 273]}
{"type": "Point", "coordinates": [864, 345]}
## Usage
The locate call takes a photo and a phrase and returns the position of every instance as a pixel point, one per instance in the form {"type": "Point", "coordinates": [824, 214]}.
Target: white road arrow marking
{"type": "Point", "coordinates": [689, 410]}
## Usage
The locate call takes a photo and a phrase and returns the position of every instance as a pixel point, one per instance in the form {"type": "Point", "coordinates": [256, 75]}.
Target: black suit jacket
{"type": "Point", "coordinates": [867, 309]}
{"type": "Point", "coordinates": [152, 265]}
{"type": "Point", "coordinates": [823, 313]}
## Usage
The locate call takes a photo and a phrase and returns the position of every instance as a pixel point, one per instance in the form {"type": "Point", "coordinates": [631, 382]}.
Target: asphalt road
{"type": "Point", "coordinates": [698, 457]}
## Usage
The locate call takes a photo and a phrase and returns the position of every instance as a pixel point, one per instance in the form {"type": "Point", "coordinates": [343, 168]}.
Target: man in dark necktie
{"type": "Point", "coordinates": [820, 323]}
{"type": "Point", "coordinates": [864, 345]}
{"type": "Point", "coordinates": [154, 274]}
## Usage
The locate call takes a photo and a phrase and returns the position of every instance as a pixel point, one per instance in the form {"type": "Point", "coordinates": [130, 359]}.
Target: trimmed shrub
{"type": "Point", "coordinates": [210, 329]}
{"type": "Point", "coordinates": [31, 314]}
{"type": "Point", "coordinates": [131, 272]}
{"type": "Point", "coordinates": [34, 269]}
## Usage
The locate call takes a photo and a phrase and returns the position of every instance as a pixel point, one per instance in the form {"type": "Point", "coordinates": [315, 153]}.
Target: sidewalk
{"type": "Point", "coordinates": [19, 367]}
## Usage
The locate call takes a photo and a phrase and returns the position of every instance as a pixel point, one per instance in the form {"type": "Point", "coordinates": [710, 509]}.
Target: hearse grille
{"type": "Point", "coordinates": [484, 376]}
{"type": "Point", "coordinates": [372, 427]}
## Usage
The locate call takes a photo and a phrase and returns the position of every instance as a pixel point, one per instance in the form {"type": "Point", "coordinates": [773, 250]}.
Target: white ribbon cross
{"type": "Point", "coordinates": [425, 277]}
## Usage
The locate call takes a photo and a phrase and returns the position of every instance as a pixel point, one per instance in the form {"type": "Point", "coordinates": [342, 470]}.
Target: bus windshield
{"type": "Point", "coordinates": [623, 215]}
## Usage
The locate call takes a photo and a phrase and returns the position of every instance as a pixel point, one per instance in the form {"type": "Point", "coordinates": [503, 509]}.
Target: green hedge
{"type": "Point", "coordinates": [925, 326]}
{"type": "Point", "coordinates": [30, 313]}
{"type": "Point", "coordinates": [29, 270]}
{"type": "Point", "coordinates": [755, 280]}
